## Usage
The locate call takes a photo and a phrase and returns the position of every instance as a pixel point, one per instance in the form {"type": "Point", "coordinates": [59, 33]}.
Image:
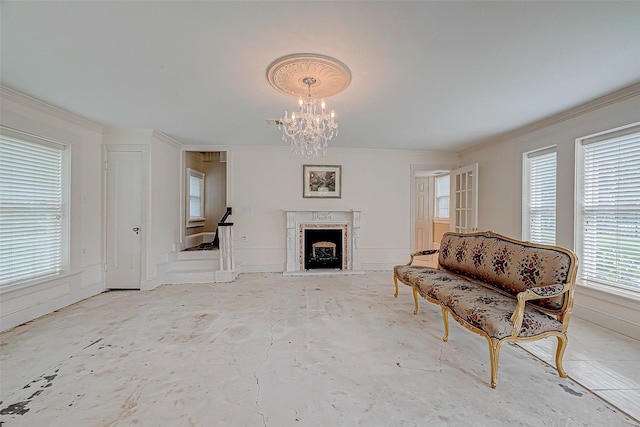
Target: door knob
{"type": "Point", "coordinates": [136, 229]}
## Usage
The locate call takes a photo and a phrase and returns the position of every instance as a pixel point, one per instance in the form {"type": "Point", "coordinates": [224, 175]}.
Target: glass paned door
{"type": "Point", "coordinates": [464, 201]}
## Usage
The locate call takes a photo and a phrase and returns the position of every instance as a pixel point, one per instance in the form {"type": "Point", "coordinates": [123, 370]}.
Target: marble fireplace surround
{"type": "Point", "coordinates": [300, 220]}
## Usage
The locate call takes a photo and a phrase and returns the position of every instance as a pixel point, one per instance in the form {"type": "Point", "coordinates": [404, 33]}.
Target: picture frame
{"type": "Point", "coordinates": [322, 181]}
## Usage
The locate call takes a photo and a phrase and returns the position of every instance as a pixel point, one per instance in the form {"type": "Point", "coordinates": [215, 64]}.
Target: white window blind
{"type": "Point", "coordinates": [540, 197]}
{"type": "Point", "coordinates": [31, 210]}
{"type": "Point", "coordinates": [610, 210]}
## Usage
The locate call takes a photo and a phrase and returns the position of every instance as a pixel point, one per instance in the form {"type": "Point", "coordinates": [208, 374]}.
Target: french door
{"type": "Point", "coordinates": [464, 199]}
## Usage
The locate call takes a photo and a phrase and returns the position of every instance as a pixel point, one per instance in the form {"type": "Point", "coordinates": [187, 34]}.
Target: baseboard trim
{"type": "Point", "coordinates": [608, 321]}
{"type": "Point", "coordinates": [378, 266]}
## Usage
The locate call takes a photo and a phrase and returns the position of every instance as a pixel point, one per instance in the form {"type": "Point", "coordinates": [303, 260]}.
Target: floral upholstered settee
{"type": "Point", "coordinates": [503, 289]}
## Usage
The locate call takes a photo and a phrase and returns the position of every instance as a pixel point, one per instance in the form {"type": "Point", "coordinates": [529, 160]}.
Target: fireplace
{"type": "Point", "coordinates": [323, 242]}
{"type": "Point", "coordinates": [322, 248]}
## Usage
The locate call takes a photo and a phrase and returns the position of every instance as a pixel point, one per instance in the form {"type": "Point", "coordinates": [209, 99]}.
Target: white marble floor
{"type": "Point", "coordinates": [268, 350]}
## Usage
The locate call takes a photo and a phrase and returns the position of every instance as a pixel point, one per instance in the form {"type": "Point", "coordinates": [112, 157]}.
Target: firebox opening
{"type": "Point", "coordinates": [322, 248]}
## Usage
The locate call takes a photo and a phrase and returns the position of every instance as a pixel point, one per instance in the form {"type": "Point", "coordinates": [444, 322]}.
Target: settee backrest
{"type": "Point", "coordinates": [509, 265]}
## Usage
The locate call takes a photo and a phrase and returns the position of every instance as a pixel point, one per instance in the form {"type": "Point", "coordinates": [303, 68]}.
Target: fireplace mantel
{"type": "Point", "coordinates": [299, 220]}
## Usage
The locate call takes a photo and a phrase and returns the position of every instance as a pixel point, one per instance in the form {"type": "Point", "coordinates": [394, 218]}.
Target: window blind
{"type": "Point", "coordinates": [541, 200]}
{"type": "Point", "coordinates": [31, 210]}
{"type": "Point", "coordinates": [611, 211]}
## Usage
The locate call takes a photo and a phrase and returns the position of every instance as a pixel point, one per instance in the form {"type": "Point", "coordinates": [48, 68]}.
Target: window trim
{"type": "Point", "coordinates": [580, 143]}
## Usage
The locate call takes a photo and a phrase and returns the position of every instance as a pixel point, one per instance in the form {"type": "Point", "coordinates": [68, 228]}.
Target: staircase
{"type": "Point", "coordinates": [205, 266]}
{"type": "Point", "coordinates": [193, 267]}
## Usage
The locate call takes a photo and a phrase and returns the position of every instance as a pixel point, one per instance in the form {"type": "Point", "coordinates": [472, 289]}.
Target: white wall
{"type": "Point", "coordinates": [263, 182]}
{"type": "Point", "coordinates": [500, 189]}
{"type": "Point", "coordinates": [165, 202]}
{"type": "Point", "coordinates": [85, 277]}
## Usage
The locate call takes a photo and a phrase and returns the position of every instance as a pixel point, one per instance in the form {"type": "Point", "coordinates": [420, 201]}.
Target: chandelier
{"type": "Point", "coordinates": [310, 129]}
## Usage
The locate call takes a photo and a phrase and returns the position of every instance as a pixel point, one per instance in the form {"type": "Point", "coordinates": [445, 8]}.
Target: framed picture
{"type": "Point", "coordinates": [322, 181]}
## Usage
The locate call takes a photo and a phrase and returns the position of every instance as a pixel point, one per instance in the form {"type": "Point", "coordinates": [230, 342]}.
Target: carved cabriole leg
{"type": "Point", "coordinates": [415, 300]}
{"type": "Point", "coordinates": [395, 280]}
{"type": "Point", "coordinates": [494, 355]}
{"type": "Point", "coordinates": [445, 319]}
{"type": "Point", "coordinates": [562, 345]}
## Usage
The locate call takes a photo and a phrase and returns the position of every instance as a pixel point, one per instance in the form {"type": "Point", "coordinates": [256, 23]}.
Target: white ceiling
{"type": "Point", "coordinates": [426, 75]}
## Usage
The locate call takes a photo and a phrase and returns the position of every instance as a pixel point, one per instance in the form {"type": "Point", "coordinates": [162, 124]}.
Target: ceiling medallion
{"type": "Point", "coordinates": [286, 74]}
{"type": "Point", "coordinates": [311, 128]}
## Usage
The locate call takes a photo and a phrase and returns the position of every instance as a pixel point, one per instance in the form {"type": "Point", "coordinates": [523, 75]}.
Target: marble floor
{"type": "Point", "coordinates": [268, 350]}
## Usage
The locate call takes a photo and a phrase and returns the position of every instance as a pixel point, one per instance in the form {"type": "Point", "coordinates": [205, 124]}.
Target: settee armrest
{"type": "Point", "coordinates": [423, 252]}
{"type": "Point", "coordinates": [547, 291]}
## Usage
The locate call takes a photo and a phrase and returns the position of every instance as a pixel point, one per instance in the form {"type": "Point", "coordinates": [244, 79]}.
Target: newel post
{"type": "Point", "coordinates": [227, 271]}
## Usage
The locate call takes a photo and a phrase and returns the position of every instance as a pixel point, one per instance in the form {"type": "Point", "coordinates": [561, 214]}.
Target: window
{"type": "Point", "coordinates": [33, 223]}
{"type": "Point", "coordinates": [539, 196]}
{"type": "Point", "coordinates": [442, 196]}
{"type": "Point", "coordinates": [608, 209]}
{"type": "Point", "coordinates": [195, 204]}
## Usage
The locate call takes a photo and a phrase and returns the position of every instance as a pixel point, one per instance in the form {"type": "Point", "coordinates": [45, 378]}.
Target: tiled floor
{"type": "Point", "coordinates": [601, 360]}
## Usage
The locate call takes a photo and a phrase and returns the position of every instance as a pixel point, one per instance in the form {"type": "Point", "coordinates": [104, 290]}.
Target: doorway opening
{"type": "Point", "coordinates": [431, 217]}
{"type": "Point", "coordinates": [205, 201]}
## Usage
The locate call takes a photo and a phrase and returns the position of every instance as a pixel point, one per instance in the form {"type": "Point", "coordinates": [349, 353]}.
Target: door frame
{"type": "Point", "coordinates": [183, 182]}
{"type": "Point", "coordinates": [144, 149]}
{"type": "Point", "coordinates": [415, 170]}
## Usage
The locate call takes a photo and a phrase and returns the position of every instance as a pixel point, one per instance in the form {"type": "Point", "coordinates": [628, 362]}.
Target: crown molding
{"type": "Point", "coordinates": [28, 101]}
{"type": "Point", "coordinates": [205, 148]}
{"type": "Point", "coordinates": [166, 139]}
{"type": "Point", "coordinates": [589, 106]}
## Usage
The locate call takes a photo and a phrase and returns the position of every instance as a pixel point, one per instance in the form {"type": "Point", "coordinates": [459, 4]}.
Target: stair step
{"type": "Point", "coordinates": [191, 255]}
{"type": "Point", "coordinates": [195, 265]}
{"type": "Point", "coordinates": [193, 276]}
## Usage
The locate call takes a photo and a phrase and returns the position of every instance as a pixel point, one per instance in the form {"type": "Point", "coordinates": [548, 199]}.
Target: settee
{"type": "Point", "coordinates": [503, 289]}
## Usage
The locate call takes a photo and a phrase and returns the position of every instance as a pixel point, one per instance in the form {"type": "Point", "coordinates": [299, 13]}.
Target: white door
{"type": "Point", "coordinates": [124, 218]}
{"type": "Point", "coordinates": [422, 238]}
{"type": "Point", "coordinates": [464, 199]}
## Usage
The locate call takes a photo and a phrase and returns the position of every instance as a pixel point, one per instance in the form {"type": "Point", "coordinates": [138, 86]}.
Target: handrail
{"type": "Point", "coordinates": [216, 239]}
